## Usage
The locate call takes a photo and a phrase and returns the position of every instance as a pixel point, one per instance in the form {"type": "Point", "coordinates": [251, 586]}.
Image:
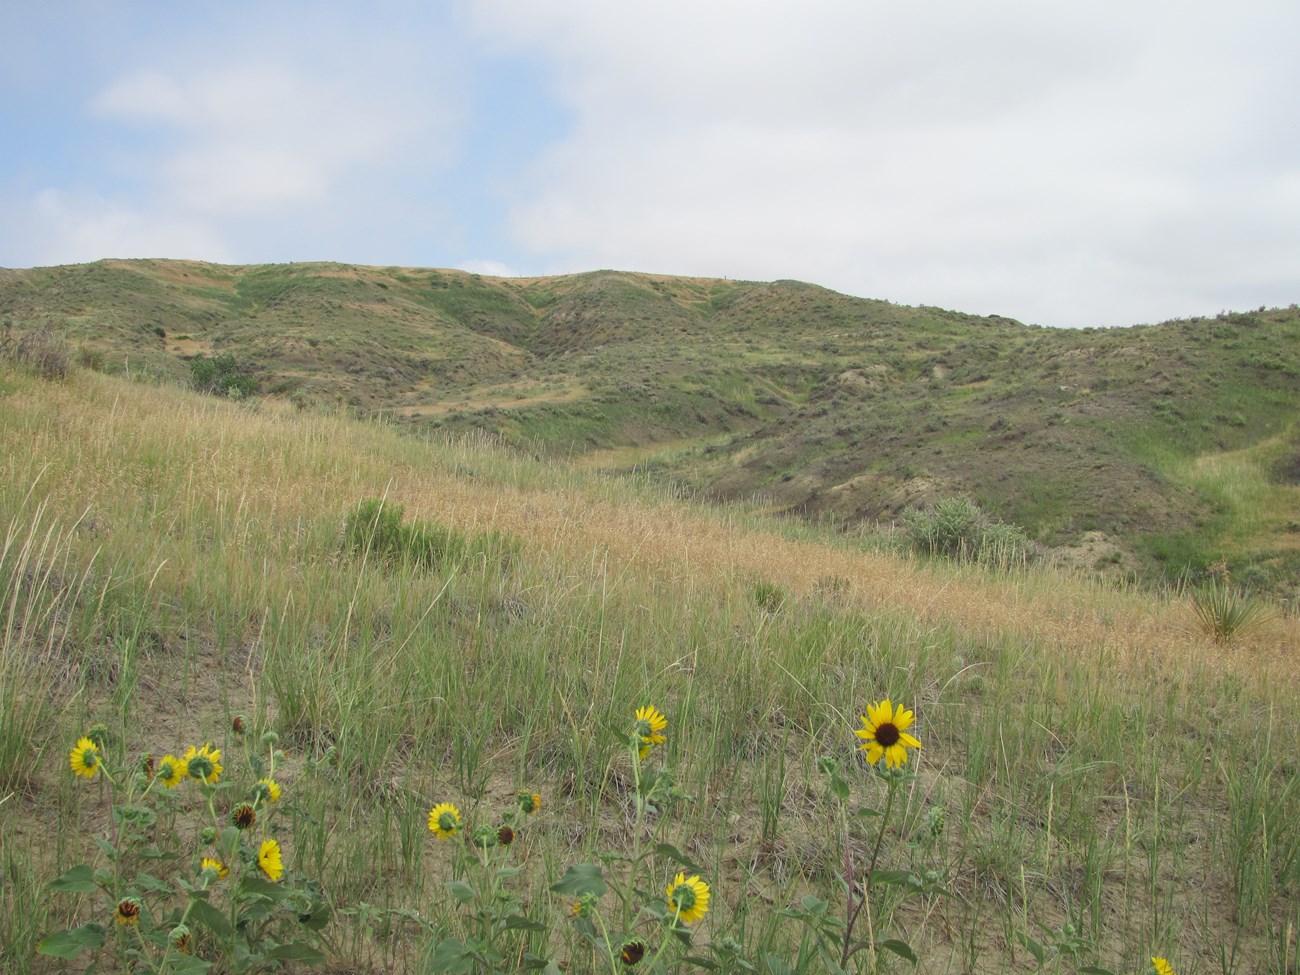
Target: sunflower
{"type": "Point", "coordinates": [172, 771]}
{"type": "Point", "coordinates": [1162, 967]}
{"type": "Point", "coordinates": [688, 897]}
{"type": "Point", "coordinates": [267, 789]}
{"type": "Point", "coordinates": [650, 723]}
{"type": "Point", "coordinates": [243, 816]}
{"type": "Point", "coordinates": [444, 820]}
{"type": "Point", "coordinates": [204, 764]}
{"type": "Point", "coordinates": [128, 911]}
{"type": "Point", "coordinates": [528, 802]}
{"type": "Point", "coordinates": [215, 865]}
{"type": "Point", "coordinates": [268, 858]}
{"type": "Point", "coordinates": [85, 759]}
{"type": "Point", "coordinates": [884, 733]}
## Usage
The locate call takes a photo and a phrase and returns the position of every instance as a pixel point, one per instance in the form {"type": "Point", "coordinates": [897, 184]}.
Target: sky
{"type": "Point", "coordinates": [1067, 164]}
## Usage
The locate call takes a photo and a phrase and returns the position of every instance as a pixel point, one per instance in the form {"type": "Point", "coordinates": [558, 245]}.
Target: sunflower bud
{"type": "Point", "coordinates": [180, 939]}
{"type": "Point", "coordinates": [631, 952]}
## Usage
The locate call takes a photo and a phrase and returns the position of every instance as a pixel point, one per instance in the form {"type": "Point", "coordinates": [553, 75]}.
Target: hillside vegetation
{"type": "Point", "coordinates": [1100, 782]}
{"type": "Point", "coordinates": [1158, 451]}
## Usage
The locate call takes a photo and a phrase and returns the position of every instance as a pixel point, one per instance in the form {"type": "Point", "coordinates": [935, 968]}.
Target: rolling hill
{"type": "Point", "coordinates": [1155, 450]}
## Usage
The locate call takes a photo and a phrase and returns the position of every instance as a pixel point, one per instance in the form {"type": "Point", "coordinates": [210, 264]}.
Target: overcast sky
{"type": "Point", "coordinates": [1065, 163]}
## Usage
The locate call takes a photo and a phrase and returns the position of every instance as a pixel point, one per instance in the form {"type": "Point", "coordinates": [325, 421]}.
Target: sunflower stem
{"type": "Point", "coordinates": [856, 908]}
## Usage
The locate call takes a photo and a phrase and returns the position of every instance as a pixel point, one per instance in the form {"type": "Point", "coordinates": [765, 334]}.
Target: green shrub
{"type": "Point", "coordinates": [222, 375]}
{"type": "Point", "coordinates": [958, 528]}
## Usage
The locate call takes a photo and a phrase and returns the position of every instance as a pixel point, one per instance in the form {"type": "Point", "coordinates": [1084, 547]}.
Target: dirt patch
{"type": "Point", "coordinates": [1287, 470]}
{"type": "Point", "coordinates": [1097, 552]}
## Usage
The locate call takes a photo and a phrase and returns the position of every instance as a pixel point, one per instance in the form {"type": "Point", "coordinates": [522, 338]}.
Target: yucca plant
{"type": "Point", "coordinates": [1225, 612]}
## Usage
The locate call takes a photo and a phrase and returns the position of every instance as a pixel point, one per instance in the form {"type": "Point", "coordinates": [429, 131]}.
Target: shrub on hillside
{"type": "Point", "coordinates": [958, 528]}
{"type": "Point", "coordinates": [41, 350]}
{"type": "Point", "coordinates": [222, 375]}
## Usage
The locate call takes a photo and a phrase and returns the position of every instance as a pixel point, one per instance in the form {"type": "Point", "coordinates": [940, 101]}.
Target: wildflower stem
{"type": "Point", "coordinates": [856, 908]}
{"type": "Point", "coordinates": [609, 945]}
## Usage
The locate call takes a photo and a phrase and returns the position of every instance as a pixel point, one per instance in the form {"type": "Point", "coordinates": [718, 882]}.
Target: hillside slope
{"type": "Point", "coordinates": [1176, 443]}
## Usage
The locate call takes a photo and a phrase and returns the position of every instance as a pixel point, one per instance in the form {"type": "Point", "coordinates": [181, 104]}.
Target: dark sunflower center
{"type": "Point", "coordinates": [887, 734]}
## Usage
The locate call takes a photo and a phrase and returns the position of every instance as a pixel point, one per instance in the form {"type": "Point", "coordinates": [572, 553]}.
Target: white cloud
{"type": "Point", "coordinates": [320, 134]}
{"type": "Point", "coordinates": [256, 138]}
{"type": "Point", "coordinates": [1060, 163]}
{"type": "Point", "coordinates": [74, 227]}
{"type": "Point", "coordinates": [492, 269]}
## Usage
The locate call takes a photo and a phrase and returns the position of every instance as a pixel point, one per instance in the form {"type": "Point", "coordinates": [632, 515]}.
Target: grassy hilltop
{"type": "Point", "coordinates": [1156, 450]}
{"type": "Point", "coordinates": [1099, 781]}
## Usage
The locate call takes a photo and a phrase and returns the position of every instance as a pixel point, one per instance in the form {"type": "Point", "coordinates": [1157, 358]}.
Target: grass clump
{"type": "Point", "coordinates": [374, 529]}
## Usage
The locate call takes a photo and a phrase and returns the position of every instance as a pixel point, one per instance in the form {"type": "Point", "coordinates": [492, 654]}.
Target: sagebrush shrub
{"type": "Point", "coordinates": [222, 375]}
{"type": "Point", "coordinates": [958, 528]}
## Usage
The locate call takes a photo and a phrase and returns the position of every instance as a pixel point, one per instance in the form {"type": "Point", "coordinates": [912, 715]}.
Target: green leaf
{"type": "Point", "coordinates": [584, 878]}
{"type": "Point", "coordinates": [452, 957]}
{"type": "Point", "coordinates": [776, 966]}
{"type": "Point", "coordinates": [153, 853]}
{"type": "Point", "coordinates": [69, 944]}
{"type": "Point", "coordinates": [1094, 970]}
{"type": "Point", "coordinates": [462, 891]}
{"type": "Point", "coordinates": [297, 951]}
{"type": "Point", "coordinates": [187, 964]}
{"type": "Point", "coordinates": [1034, 947]}
{"type": "Point", "coordinates": [898, 878]}
{"type": "Point", "coordinates": [105, 847]}
{"type": "Point", "coordinates": [258, 886]}
{"type": "Point", "coordinates": [78, 880]}
{"type": "Point", "coordinates": [517, 922]}
{"type": "Point", "coordinates": [316, 918]}
{"type": "Point", "coordinates": [205, 914]}
{"type": "Point", "coordinates": [839, 787]}
{"type": "Point", "coordinates": [706, 963]}
{"type": "Point", "coordinates": [901, 948]}
{"type": "Point", "coordinates": [815, 906]}
{"type": "Point", "coordinates": [148, 881]}
{"type": "Point", "coordinates": [676, 855]}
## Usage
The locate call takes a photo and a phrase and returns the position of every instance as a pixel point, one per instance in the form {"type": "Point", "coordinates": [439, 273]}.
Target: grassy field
{"type": "Point", "coordinates": [1099, 781]}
